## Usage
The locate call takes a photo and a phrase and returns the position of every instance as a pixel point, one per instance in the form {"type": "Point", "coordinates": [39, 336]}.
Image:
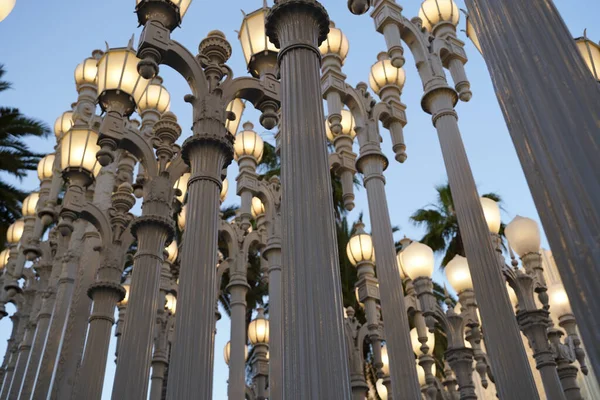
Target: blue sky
{"type": "Point", "coordinates": [43, 41]}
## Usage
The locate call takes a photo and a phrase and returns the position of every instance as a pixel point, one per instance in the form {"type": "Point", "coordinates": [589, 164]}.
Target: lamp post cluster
{"type": "Point", "coordinates": [160, 272]}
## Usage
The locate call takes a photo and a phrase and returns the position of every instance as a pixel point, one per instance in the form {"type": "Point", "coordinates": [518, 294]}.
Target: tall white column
{"type": "Point", "coordinates": [315, 362]}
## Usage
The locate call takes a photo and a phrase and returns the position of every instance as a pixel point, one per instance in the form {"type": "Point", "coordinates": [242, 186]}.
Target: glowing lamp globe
{"type": "Point", "coordinates": [491, 212]}
{"type": "Point", "coordinates": [360, 247]}
{"type": "Point", "coordinates": [336, 43]}
{"type": "Point", "coordinates": [416, 345]}
{"type": "Point", "coordinates": [590, 52]}
{"type": "Point", "coordinates": [260, 54]}
{"type": "Point", "coordinates": [257, 208]}
{"type": "Point", "coordinates": [421, 375]}
{"type": "Point", "coordinates": [15, 231]}
{"type": "Point", "coordinates": [248, 143]}
{"type": "Point", "coordinates": [45, 167]}
{"type": "Point", "coordinates": [181, 218]}
{"type": "Point", "coordinates": [385, 360]}
{"type": "Point", "coordinates": [512, 295]}
{"type": "Point", "coordinates": [383, 74]}
{"type": "Point", "coordinates": [171, 303]}
{"type": "Point", "coordinates": [172, 251]}
{"type": "Point", "coordinates": [29, 204]}
{"type": "Point", "coordinates": [127, 286]}
{"type": "Point", "coordinates": [86, 72]}
{"type": "Point", "coordinates": [156, 97]}
{"type": "Point", "coordinates": [433, 12]}
{"type": "Point", "coordinates": [258, 329]}
{"type": "Point", "coordinates": [471, 34]}
{"type": "Point", "coordinates": [236, 106]}
{"type": "Point", "coordinates": [119, 83]}
{"type": "Point", "coordinates": [417, 260]}
{"type": "Point", "coordinates": [559, 301]}
{"type": "Point", "coordinates": [381, 390]}
{"type": "Point", "coordinates": [524, 236]}
{"type": "Point", "coordinates": [63, 124]}
{"type": "Point", "coordinates": [4, 256]}
{"type": "Point", "coordinates": [458, 274]}
{"type": "Point", "coordinates": [227, 352]}
{"type": "Point", "coordinates": [182, 185]}
{"type": "Point", "coordinates": [78, 151]}
{"type": "Point", "coordinates": [224, 189]}
{"type": "Point", "coordinates": [6, 7]}
{"type": "Point", "coordinates": [347, 123]}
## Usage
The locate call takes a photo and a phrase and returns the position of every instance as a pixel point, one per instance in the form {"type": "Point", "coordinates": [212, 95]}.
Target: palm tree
{"type": "Point", "coordinates": [16, 158]}
{"type": "Point", "coordinates": [442, 230]}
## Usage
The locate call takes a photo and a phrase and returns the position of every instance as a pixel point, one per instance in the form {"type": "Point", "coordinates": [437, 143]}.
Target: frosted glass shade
{"type": "Point", "coordinates": [432, 12]}
{"type": "Point", "coordinates": [29, 204]}
{"type": "Point", "coordinates": [590, 52]}
{"type": "Point", "coordinates": [559, 301]}
{"type": "Point", "coordinates": [181, 218]}
{"type": "Point", "coordinates": [63, 124]}
{"type": "Point", "coordinates": [421, 375]}
{"type": "Point", "coordinates": [458, 274]}
{"type": "Point", "coordinates": [417, 260]}
{"type": "Point", "coordinates": [512, 295]}
{"type": "Point", "coordinates": [6, 7]}
{"type": "Point", "coordinates": [227, 352]}
{"type": "Point", "coordinates": [224, 189]}
{"type": "Point", "coordinates": [347, 123]}
{"type": "Point", "coordinates": [336, 43]}
{"type": "Point", "coordinates": [253, 37]}
{"type": "Point", "coordinates": [117, 71]}
{"type": "Point", "coordinates": [258, 331]}
{"type": "Point", "coordinates": [381, 389]}
{"type": "Point", "coordinates": [15, 231]}
{"type": "Point", "coordinates": [4, 256]}
{"type": "Point", "coordinates": [257, 208]}
{"type": "Point", "coordinates": [491, 212]}
{"type": "Point", "coordinates": [171, 303]}
{"type": "Point", "coordinates": [172, 251]}
{"type": "Point", "coordinates": [86, 72]}
{"type": "Point", "coordinates": [248, 143]}
{"type": "Point", "coordinates": [78, 150]}
{"type": "Point", "coordinates": [471, 34]}
{"type": "Point", "coordinates": [385, 360]}
{"type": "Point", "coordinates": [236, 106]}
{"type": "Point", "coordinates": [127, 286]}
{"type": "Point", "coordinates": [524, 236]}
{"type": "Point", "coordinates": [416, 345]}
{"type": "Point", "coordinates": [45, 167]}
{"type": "Point", "coordinates": [156, 97]}
{"type": "Point", "coordinates": [383, 73]}
{"type": "Point", "coordinates": [360, 248]}
{"type": "Point", "coordinates": [182, 185]}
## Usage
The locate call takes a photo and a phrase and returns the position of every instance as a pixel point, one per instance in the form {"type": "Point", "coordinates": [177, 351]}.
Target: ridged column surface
{"type": "Point", "coordinates": [236, 389]}
{"type": "Point", "coordinates": [275, 325]}
{"type": "Point", "coordinates": [403, 374]}
{"type": "Point", "coordinates": [553, 115]}
{"type": "Point", "coordinates": [64, 292]}
{"type": "Point", "coordinates": [135, 350]}
{"type": "Point", "coordinates": [192, 355]}
{"type": "Point", "coordinates": [11, 350]}
{"type": "Point", "coordinates": [315, 362]}
{"type": "Point", "coordinates": [23, 355]}
{"type": "Point", "coordinates": [503, 340]}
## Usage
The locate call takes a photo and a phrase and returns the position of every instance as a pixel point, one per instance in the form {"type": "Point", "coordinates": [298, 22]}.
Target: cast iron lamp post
{"type": "Point", "coordinates": [258, 333]}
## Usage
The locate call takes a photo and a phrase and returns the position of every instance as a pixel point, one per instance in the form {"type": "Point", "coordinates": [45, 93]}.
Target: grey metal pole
{"type": "Point", "coordinates": [273, 255]}
{"type": "Point", "coordinates": [315, 363]}
{"type": "Point", "coordinates": [552, 115]}
{"type": "Point", "coordinates": [238, 287]}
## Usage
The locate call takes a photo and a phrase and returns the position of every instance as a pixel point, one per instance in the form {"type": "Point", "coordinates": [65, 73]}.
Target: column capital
{"type": "Point", "coordinates": [291, 7]}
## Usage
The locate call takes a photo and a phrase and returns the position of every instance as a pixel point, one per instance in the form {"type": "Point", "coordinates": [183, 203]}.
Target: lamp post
{"type": "Point", "coordinates": [258, 333]}
{"type": "Point", "coordinates": [565, 200]}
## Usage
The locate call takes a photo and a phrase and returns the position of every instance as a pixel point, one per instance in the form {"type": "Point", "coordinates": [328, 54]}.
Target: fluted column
{"type": "Point", "coordinates": [403, 374]}
{"type": "Point", "coordinates": [191, 365]}
{"type": "Point", "coordinates": [9, 343]}
{"type": "Point", "coordinates": [273, 256]}
{"type": "Point", "coordinates": [505, 348]}
{"type": "Point", "coordinates": [238, 287]}
{"type": "Point", "coordinates": [540, 105]}
{"type": "Point", "coordinates": [11, 350]}
{"type": "Point", "coordinates": [315, 362]}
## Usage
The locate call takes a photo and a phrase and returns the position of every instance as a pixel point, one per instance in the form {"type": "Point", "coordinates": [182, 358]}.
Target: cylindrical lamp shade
{"type": "Point", "coordinates": [360, 248]}
{"type": "Point", "coordinates": [15, 231]}
{"type": "Point", "coordinates": [258, 331]}
{"type": "Point", "coordinates": [29, 204]}
{"type": "Point", "coordinates": [236, 106]}
{"type": "Point", "coordinates": [45, 167]}
{"type": "Point", "coordinates": [171, 303]}
{"type": "Point", "coordinates": [78, 150]}
{"type": "Point", "coordinates": [458, 274]}
{"type": "Point", "coordinates": [86, 72]}
{"type": "Point", "coordinates": [182, 185]}
{"type": "Point", "coordinates": [253, 37]}
{"type": "Point", "coordinates": [590, 52]}
{"type": "Point", "coordinates": [336, 43]}
{"type": "Point", "coordinates": [156, 97]}
{"type": "Point", "coordinates": [348, 125]}
{"type": "Point", "coordinates": [183, 5]}
{"type": "Point", "coordinates": [224, 189]}
{"type": "Point", "coordinates": [181, 218]}
{"type": "Point", "coordinates": [559, 301]}
{"type": "Point", "coordinates": [63, 124]}
{"type": "Point", "coordinates": [524, 236]}
{"type": "Point", "coordinates": [227, 352]}
{"type": "Point", "coordinates": [383, 73]}
{"type": "Point", "coordinates": [381, 390]}
{"type": "Point", "coordinates": [117, 71]}
{"type": "Point", "coordinates": [491, 212]}
{"type": "Point", "coordinates": [248, 143]}
{"type": "Point", "coordinates": [172, 251]}
{"type": "Point", "coordinates": [6, 7]}
{"type": "Point", "coordinates": [416, 345]}
{"type": "Point", "coordinates": [417, 260]}
{"type": "Point", "coordinates": [432, 12]}
{"type": "Point", "coordinates": [385, 360]}
{"type": "Point", "coordinates": [4, 256]}
{"type": "Point", "coordinates": [257, 208]}
{"type": "Point", "coordinates": [471, 34]}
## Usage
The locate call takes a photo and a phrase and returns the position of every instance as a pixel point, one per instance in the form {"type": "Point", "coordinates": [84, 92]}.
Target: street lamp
{"type": "Point", "coordinates": [458, 275]}
{"type": "Point", "coordinates": [491, 213]}
{"type": "Point", "coordinates": [168, 12]}
{"type": "Point", "coordinates": [6, 7]}
{"type": "Point", "coordinates": [434, 13]}
{"type": "Point", "coordinates": [78, 155]}
{"type": "Point", "coordinates": [523, 234]}
{"type": "Point", "coordinates": [30, 204]}
{"type": "Point", "coordinates": [15, 231]}
{"type": "Point", "coordinates": [258, 333]}
{"type": "Point", "coordinates": [590, 52]}
{"type": "Point", "coordinates": [236, 107]}
{"type": "Point", "coordinates": [170, 303]}
{"type": "Point", "coordinates": [63, 124]}
{"type": "Point", "coordinates": [45, 167]}
{"type": "Point", "coordinates": [259, 52]}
